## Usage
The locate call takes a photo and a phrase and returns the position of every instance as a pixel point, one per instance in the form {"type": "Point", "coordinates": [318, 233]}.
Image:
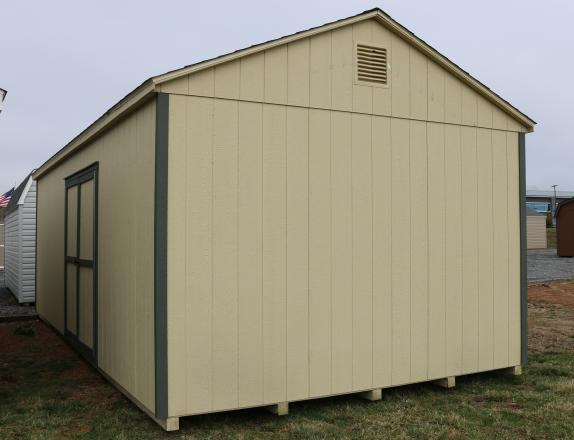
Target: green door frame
{"type": "Point", "coordinates": [76, 179]}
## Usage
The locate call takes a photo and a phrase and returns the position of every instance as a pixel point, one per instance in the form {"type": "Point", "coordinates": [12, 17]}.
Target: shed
{"type": "Point", "coordinates": [535, 229]}
{"type": "Point", "coordinates": [565, 228]}
{"type": "Point", "coordinates": [20, 242]}
{"type": "Point", "coordinates": [307, 217]}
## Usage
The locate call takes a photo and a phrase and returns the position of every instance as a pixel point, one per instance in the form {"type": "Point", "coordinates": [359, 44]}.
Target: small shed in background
{"type": "Point", "coordinates": [565, 228]}
{"type": "Point", "coordinates": [535, 229]}
{"type": "Point", "coordinates": [20, 242]}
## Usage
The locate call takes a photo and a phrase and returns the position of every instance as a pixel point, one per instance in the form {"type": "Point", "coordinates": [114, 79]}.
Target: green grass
{"type": "Point", "coordinates": [44, 402]}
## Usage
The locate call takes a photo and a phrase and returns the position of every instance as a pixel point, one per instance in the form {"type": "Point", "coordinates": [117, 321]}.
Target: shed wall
{"type": "Point", "coordinates": [21, 248]}
{"type": "Point", "coordinates": [28, 246]}
{"type": "Point", "coordinates": [12, 251]}
{"type": "Point", "coordinates": [315, 252]}
{"type": "Point", "coordinates": [536, 232]}
{"type": "Point", "coordinates": [125, 255]}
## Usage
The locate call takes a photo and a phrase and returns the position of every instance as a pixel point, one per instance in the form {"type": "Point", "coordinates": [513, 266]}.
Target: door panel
{"type": "Point", "coordinates": [71, 297]}
{"type": "Point", "coordinates": [87, 220]}
{"type": "Point", "coordinates": [86, 306]}
{"type": "Point", "coordinates": [72, 222]}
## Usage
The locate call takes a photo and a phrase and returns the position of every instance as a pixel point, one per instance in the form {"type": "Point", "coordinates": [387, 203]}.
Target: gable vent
{"type": "Point", "coordinates": [371, 64]}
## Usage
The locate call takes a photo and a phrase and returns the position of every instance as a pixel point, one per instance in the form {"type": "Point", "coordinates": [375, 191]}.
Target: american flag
{"type": "Point", "coordinates": [5, 198]}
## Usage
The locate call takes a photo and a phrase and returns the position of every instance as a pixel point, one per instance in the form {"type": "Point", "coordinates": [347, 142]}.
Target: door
{"type": "Point", "coordinates": [80, 287]}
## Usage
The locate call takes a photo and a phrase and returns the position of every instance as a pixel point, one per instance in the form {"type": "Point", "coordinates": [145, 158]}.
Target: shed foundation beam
{"type": "Point", "coordinates": [372, 395]}
{"type": "Point", "coordinates": [279, 409]}
{"type": "Point", "coordinates": [169, 424]}
{"type": "Point", "coordinates": [447, 382]}
{"type": "Point", "coordinates": [512, 371]}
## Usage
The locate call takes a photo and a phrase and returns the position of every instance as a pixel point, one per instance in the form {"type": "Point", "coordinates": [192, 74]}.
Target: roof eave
{"type": "Point", "coordinates": [123, 107]}
{"type": "Point", "coordinates": [450, 66]}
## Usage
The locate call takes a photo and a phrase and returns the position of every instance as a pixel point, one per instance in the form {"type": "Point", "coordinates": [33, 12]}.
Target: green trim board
{"type": "Point", "coordinates": [523, 255]}
{"type": "Point", "coordinates": [160, 254]}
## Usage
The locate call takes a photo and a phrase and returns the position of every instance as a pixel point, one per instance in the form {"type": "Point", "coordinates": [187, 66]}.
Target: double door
{"type": "Point", "coordinates": [80, 289]}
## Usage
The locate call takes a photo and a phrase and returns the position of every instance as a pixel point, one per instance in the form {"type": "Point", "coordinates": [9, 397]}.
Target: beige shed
{"type": "Point", "coordinates": [307, 217]}
{"type": "Point", "coordinates": [535, 230]}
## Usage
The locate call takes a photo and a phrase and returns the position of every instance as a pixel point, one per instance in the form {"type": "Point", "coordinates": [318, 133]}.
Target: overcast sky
{"type": "Point", "coordinates": [64, 63]}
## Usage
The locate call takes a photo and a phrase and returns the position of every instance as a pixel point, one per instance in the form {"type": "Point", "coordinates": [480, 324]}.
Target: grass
{"type": "Point", "coordinates": [538, 404]}
{"type": "Point", "coordinates": [49, 392]}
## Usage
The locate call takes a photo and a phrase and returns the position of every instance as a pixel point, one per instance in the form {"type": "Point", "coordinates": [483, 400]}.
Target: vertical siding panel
{"type": "Point", "coordinates": [401, 78]}
{"type": "Point", "coordinates": [276, 75]}
{"type": "Point", "coordinates": [436, 85]}
{"type": "Point", "coordinates": [500, 235]}
{"type": "Point", "coordinates": [362, 95]}
{"type": "Point", "coordinates": [453, 100]}
{"type": "Point", "coordinates": [437, 219]}
{"type": "Point", "coordinates": [227, 80]}
{"type": "Point", "coordinates": [342, 241]}
{"type": "Point", "coordinates": [146, 301]}
{"type": "Point", "coordinates": [252, 77]}
{"type": "Point", "coordinates": [382, 256]}
{"type": "Point", "coordinates": [199, 254]}
{"type": "Point", "coordinates": [401, 250]}
{"type": "Point", "coordinates": [298, 73]}
{"type": "Point", "coordinates": [342, 68]}
{"type": "Point", "coordinates": [320, 71]}
{"type": "Point", "coordinates": [513, 251]}
{"type": "Point", "coordinates": [202, 83]}
{"type": "Point", "coordinates": [499, 118]}
{"type": "Point", "coordinates": [274, 254]}
{"type": "Point", "coordinates": [319, 252]}
{"type": "Point", "coordinates": [382, 95]}
{"type": "Point", "coordinates": [485, 249]}
{"type": "Point", "coordinates": [250, 259]}
{"type": "Point", "coordinates": [224, 254]}
{"type": "Point", "coordinates": [418, 85]}
{"type": "Point", "coordinates": [468, 97]}
{"type": "Point", "coordinates": [469, 250]}
{"type": "Point", "coordinates": [362, 252]}
{"type": "Point", "coordinates": [177, 86]}
{"type": "Point", "coordinates": [419, 251]}
{"type": "Point", "coordinates": [484, 112]}
{"type": "Point", "coordinates": [176, 269]}
{"type": "Point", "coordinates": [297, 254]}
{"type": "Point", "coordinates": [453, 248]}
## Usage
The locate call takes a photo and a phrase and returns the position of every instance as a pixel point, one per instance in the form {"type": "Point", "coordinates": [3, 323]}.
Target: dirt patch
{"type": "Point", "coordinates": [32, 337]}
{"type": "Point", "coordinates": [551, 317]}
{"type": "Point", "coordinates": [552, 293]}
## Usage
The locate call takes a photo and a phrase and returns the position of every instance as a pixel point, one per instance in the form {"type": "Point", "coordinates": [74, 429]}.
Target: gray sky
{"type": "Point", "coordinates": [66, 62]}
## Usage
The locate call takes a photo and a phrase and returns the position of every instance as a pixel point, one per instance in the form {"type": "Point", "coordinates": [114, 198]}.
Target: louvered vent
{"type": "Point", "coordinates": [371, 64]}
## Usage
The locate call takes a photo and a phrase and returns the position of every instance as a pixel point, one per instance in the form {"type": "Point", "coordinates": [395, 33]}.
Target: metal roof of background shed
{"type": "Point", "coordinates": [17, 195]}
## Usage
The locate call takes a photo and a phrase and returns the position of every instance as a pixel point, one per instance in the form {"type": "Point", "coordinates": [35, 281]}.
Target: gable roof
{"type": "Point", "coordinates": [19, 194]}
{"type": "Point", "coordinates": [148, 88]}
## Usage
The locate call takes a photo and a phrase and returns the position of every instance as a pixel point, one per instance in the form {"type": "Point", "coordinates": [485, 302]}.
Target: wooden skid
{"type": "Point", "coordinates": [447, 382]}
{"type": "Point", "coordinates": [279, 409]}
{"type": "Point", "coordinates": [372, 395]}
{"type": "Point", "coordinates": [169, 424]}
{"type": "Point", "coordinates": [513, 371]}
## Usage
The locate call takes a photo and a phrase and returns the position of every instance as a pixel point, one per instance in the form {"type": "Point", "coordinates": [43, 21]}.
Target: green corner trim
{"type": "Point", "coordinates": [160, 254]}
{"type": "Point", "coordinates": [523, 256]}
